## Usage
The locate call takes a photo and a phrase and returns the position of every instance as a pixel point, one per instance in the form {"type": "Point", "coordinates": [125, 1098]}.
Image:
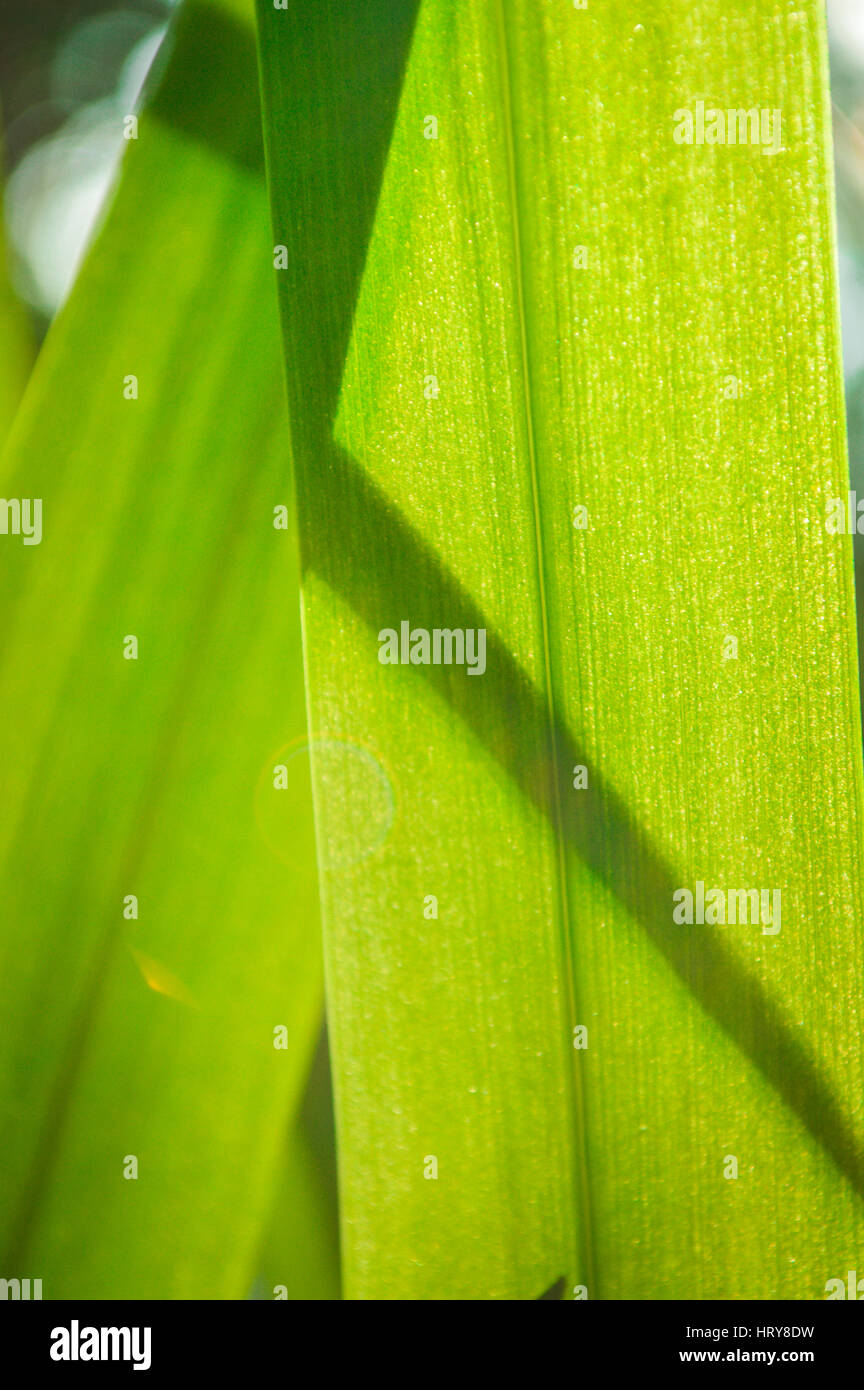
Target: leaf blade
{"type": "Point", "coordinates": [425, 509]}
{"type": "Point", "coordinates": [153, 1037]}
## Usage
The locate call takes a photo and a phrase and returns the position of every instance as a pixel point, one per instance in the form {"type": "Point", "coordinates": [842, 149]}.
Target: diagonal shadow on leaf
{"type": "Point", "coordinates": [342, 143]}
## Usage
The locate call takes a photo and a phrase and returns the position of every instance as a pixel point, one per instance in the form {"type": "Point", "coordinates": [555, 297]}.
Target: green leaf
{"type": "Point", "coordinates": [16, 341]}
{"type": "Point", "coordinates": [648, 330]}
{"type": "Point", "coordinates": [300, 1257]}
{"type": "Point", "coordinates": [153, 1036]}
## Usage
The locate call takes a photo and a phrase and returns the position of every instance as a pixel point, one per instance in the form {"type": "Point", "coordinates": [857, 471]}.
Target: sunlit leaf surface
{"type": "Point", "coordinates": [555, 374]}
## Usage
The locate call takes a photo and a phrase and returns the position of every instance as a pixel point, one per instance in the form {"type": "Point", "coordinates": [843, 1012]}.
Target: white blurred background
{"type": "Point", "coordinates": [69, 71]}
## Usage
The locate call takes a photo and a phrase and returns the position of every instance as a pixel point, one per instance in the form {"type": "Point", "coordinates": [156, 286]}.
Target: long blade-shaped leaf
{"type": "Point", "coordinates": [149, 1034]}
{"type": "Point", "coordinates": [510, 294]}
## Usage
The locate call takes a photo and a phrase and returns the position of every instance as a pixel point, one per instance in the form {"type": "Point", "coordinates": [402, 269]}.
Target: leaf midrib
{"type": "Point", "coordinates": [582, 1183]}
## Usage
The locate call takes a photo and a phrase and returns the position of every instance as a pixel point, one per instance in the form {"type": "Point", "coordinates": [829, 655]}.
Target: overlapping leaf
{"type": "Point", "coordinates": [151, 1036]}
